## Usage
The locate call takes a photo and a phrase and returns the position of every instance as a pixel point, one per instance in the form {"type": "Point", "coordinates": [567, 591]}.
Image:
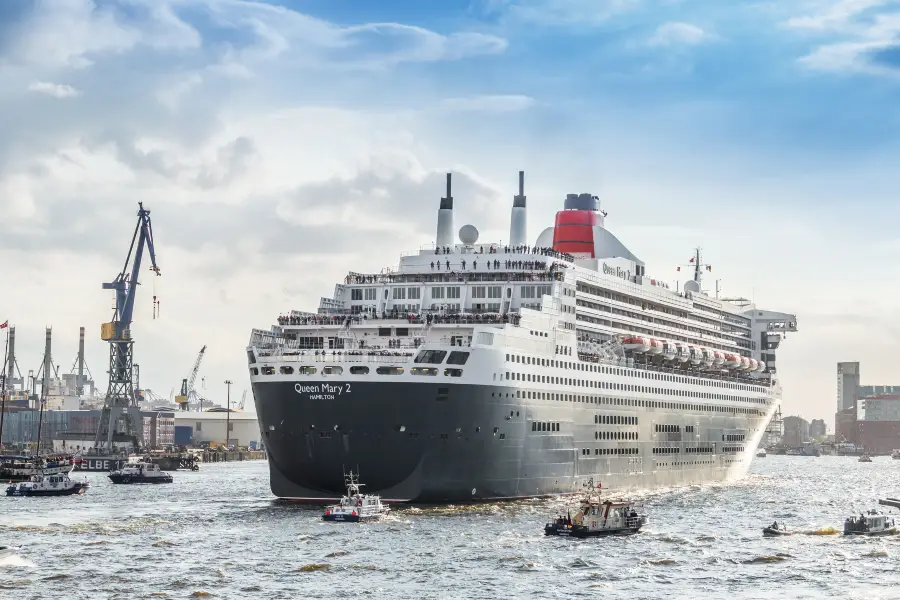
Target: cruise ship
{"type": "Point", "coordinates": [479, 371]}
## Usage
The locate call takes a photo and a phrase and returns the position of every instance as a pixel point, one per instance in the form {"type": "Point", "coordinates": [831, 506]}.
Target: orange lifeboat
{"type": "Point", "coordinates": [760, 367]}
{"type": "Point", "coordinates": [745, 363]}
{"type": "Point", "coordinates": [732, 361]}
{"type": "Point", "coordinates": [718, 358]}
{"type": "Point", "coordinates": [753, 364]}
{"type": "Point", "coordinates": [656, 347]}
{"type": "Point", "coordinates": [635, 343]}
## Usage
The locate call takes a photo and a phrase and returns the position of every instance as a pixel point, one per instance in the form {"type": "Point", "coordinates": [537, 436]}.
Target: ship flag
{"type": "Point", "coordinates": [678, 268]}
{"type": "Point", "coordinates": [709, 267]}
{"type": "Point", "coordinates": [692, 259]}
{"type": "Point", "coordinates": [5, 324]}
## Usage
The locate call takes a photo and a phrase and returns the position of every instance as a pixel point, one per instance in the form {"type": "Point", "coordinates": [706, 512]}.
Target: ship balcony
{"type": "Point", "coordinates": [331, 357]}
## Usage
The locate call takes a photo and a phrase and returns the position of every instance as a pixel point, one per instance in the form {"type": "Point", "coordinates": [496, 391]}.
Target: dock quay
{"type": "Point", "coordinates": [232, 456]}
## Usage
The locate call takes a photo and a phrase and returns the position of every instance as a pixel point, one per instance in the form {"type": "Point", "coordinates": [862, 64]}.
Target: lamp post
{"type": "Point", "coordinates": [227, 417]}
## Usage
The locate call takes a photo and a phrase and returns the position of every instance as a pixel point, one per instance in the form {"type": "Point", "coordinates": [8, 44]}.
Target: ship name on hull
{"type": "Point", "coordinates": [324, 391]}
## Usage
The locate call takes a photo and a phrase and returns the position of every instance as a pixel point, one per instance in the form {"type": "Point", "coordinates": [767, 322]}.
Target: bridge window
{"type": "Point", "coordinates": [453, 372]}
{"type": "Point", "coordinates": [286, 370]}
{"type": "Point", "coordinates": [458, 358]}
{"type": "Point", "coordinates": [332, 370]}
{"type": "Point", "coordinates": [268, 370]}
{"type": "Point", "coordinates": [389, 370]}
{"type": "Point", "coordinates": [431, 357]}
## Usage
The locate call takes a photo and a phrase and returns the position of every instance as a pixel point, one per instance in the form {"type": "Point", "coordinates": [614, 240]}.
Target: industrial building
{"type": "Point", "coordinates": [209, 427]}
{"type": "Point", "coordinates": [868, 416]}
{"type": "Point", "coordinates": [77, 429]}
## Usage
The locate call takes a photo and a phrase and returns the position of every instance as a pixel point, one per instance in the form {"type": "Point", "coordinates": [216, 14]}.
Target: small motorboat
{"type": "Point", "coordinates": [598, 518]}
{"type": "Point", "coordinates": [761, 453]}
{"type": "Point", "coordinates": [47, 485]}
{"type": "Point", "coordinates": [140, 472]}
{"type": "Point", "coordinates": [870, 524]}
{"type": "Point", "coordinates": [355, 507]}
{"type": "Point", "coordinates": [865, 458]}
{"type": "Point", "coordinates": [776, 530]}
{"type": "Point", "coordinates": [895, 453]}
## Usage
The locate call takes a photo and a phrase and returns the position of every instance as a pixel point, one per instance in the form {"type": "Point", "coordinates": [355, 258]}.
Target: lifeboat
{"type": "Point", "coordinates": [732, 361]}
{"type": "Point", "coordinates": [656, 347]}
{"type": "Point", "coordinates": [636, 343]}
{"type": "Point", "coordinates": [707, 356]}
{"type": "Point", "coordinates": [682, 354]}
{"type": "Point", "coordinates": [760, 367]}
{"type": "Point", "coordinates": [753, 364]}
{"type": "Point", "coordinates": [745, 363]}
{"type": "Point", "coordinates": [695, 354]}
{"type": "Point", "coordinates": [670, 352]}
{"type": "Point", "coordinates": [718, 358]}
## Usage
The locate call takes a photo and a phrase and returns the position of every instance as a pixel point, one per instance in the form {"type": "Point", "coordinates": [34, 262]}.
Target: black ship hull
{"type": "Point", "coordinates": [444, 443]}
{"type": "Point", "coordinates": [126, 479]}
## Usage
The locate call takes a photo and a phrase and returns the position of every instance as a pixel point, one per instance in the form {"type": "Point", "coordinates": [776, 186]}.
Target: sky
{"type": "Point", "coordinates": [279, 145]}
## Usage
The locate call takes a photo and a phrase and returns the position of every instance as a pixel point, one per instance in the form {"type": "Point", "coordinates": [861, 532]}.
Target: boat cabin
{"type": "Point", "coordinates": [870, 524]}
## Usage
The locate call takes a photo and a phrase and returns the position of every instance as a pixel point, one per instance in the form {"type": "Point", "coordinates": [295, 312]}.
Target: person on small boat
{"type": "Point", "coordinates": [775, 525]}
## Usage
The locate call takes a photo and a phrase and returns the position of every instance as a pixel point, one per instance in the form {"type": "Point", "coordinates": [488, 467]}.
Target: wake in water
{"type": "Point", "coordinates": [14, 560]}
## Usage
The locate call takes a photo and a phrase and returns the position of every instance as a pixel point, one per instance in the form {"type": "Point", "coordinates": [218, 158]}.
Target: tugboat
{"type": "Point", "coordinates": [598, 518]}
{"type": "Point", "coordinates": [870, 524]}
{"type": "Point", "coordinates": [774, 530]}
{"type": "Point", "coordinates": [47, 485]}
{"type": "Point", "coordinates": [140, 472]}
{"type": "Point", "coordinates": [865, 458]}
{"type": "Point", "coordinates": [354, 506]}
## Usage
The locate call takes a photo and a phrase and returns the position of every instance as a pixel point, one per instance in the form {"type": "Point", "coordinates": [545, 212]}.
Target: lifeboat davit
{"type": "Point", "coordinates": [681, 353]}
{"type": "Point", "coordinates": [745, 363]}
{"type": "Point", "coordinates": [732, 361]}
{"type": "Point", "coordinates": [707, 356]}
{"type": "Point", "coordinates": [718, 358]}
{"type": "Point", "coordinates": [695, 354]}
{"type": "Point", "coordinates": [636, 343]}
{"type": "Point", "coordinates": [656, 347]}
{"type": "Point", "coordinates": [760, 367]}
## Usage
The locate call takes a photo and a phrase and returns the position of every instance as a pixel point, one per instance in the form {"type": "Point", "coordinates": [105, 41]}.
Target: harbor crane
{"type": "Point", "coordinates": [120, 402]}
{"type": "Point", "coordinates": [187, 385]}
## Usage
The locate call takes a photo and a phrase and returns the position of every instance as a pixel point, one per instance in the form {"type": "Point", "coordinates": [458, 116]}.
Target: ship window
{"type": "Point", "coordinates": [431, 357]}
{"type": "Point", "coordinates": [254, 371]}
{"type": "Point", "coordinates": [332, 370]}
{"type": "Point", "coordinates": [452, 372]}
{"type": "Point", "coordinates": [389, 370]}
{"type": "Point", "coordinates": [458, 358]}
{"type": "Point", "coordinates": [359, 370]}
{"type": "Point", "coordinates": [424, 371]}
{"type": "Point", "coordinates": [306, 370]}
{"type": "Point", "coordinates": [250, 357]}
{"type": "Point", "coordinates": [286, 370]}
{"type": "Point", "coordinates": [268, 370]}
{"type": "Point", "coordinates": [384, 331]}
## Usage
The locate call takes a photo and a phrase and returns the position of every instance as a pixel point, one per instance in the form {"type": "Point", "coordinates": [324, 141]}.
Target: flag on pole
{"type": "Point", "coordinates": [709, 267]}
{"type": "Point", "coordinates": [677, 268]}
{"type": "Point", "coordinates": [5, 324]}
{"type": "Point", "coordinates": [692, 259]}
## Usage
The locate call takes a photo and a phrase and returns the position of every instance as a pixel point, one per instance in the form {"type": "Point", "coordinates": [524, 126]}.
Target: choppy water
{"type": "Point", "coordinates": [217, 533]}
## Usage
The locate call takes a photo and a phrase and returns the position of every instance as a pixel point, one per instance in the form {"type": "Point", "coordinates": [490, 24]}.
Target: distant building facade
{"type": "Point", "coordinates": [817, 428]}
{"type": "Point", "coordinates": [847, 384]}
{"type": "Point", "coordinates": [796, 431]}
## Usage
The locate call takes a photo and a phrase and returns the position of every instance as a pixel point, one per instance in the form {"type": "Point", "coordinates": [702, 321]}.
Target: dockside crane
{"type": "Point", "coordinates": [187, 385]}
{"type": "Point", "coordinates": [120, 402]}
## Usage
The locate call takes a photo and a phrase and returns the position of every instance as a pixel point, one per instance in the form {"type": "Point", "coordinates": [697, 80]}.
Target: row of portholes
{"type": "Point", "coordinates": [615, 435]}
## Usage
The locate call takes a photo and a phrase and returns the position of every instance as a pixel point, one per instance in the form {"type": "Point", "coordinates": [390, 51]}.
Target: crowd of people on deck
{"type": "Point", "coordinates": [531, 265]}
{"type": "Point", "coordinates": [542, 250]}
{"type": "Point", "coordinates": [411, 318]}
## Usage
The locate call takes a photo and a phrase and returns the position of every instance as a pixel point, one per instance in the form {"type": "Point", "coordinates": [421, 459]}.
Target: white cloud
{"type": "Point", "coordinates": [677, 34]}
{"type": "Point", "coordinates": [858, 31]}
{"type": "Point", "coordinates": [560, 12]}
{"type": "Point", "coordinates": [57, 90]}
{"type": "Point", "coordinates": [496, 103]}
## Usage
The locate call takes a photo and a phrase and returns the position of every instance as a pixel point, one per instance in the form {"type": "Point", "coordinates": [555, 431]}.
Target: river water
{"type": "Point", "coordinates": [218, 533]}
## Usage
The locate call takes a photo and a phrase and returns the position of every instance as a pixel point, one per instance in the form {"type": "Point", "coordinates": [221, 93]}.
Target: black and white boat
{"type": "Point", "coordinates": [140, 472]}
{"type": "Point", "coordinates": [776, 530]}
{"type": "Point", "coordinates": [598, 518]}
{"type": "Point", "coordinates": [870, 524]}
{"type": "Point", "coordinates": [16, 468]}
{"type": "Point", "coordinates": [354, 506]}
{"type": "Point", "coordinates": [47, 485]}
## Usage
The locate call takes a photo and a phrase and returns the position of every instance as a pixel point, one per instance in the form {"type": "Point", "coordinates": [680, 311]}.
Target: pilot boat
{"type": "Point", "coordinates": [47, 485]}
{"type": "Point", "coordinates": [140, 472]}
{"type": "Point", "coordinates": [870, 524]}
{"type": "Point", "coordinates": [354, 506]}
{"type": "Point", "coordinates": [598, 518]}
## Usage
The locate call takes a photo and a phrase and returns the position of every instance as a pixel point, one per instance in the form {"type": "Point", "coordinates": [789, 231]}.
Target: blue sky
{"type": "Point", "coordinates": [281, 144]}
